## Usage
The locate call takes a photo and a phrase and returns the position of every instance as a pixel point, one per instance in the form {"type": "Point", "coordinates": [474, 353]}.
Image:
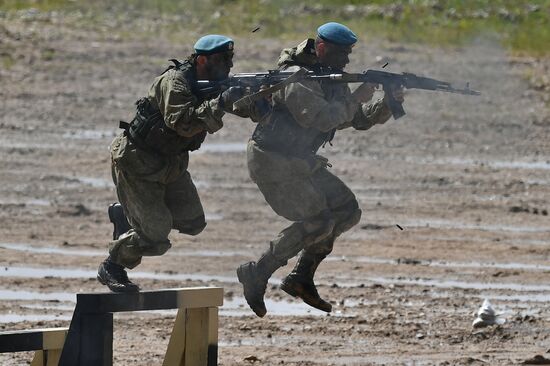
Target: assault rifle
{"type": "Point", "coordinates": [279, 79]}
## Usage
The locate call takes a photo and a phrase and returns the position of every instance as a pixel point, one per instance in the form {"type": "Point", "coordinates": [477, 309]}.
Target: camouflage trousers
{"type": "Point", "coordinates": [157, 195]}
{"type": "Point", "coordinates": [320, 205]}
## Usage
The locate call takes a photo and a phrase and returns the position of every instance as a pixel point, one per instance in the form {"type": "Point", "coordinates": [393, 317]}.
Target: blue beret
{"type": "Point", "coordinates": [337, 33]}
{"type": "Point", "coordinates": [213, 43]}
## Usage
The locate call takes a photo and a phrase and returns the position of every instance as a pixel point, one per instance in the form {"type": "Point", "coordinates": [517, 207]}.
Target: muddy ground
{"type": "Point", "coordinates": [467, 178]}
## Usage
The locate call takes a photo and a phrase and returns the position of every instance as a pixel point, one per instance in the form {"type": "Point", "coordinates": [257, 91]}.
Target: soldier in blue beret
{"type": "Point", "coordinates": [283, 161]}
{"type": "Point", "coordinates": [150, 159]}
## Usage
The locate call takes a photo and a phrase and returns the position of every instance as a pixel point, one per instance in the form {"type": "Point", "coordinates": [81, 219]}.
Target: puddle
{"type": "Point", "coordinates": [213, 216]}
{"type": "Point", "coordinates": [31, 202]}
{"type": "Point", "coordinates": [448, 224]}
{"type": "Point", "coordinates": [58, 307]}
{"type": "Point", "coordinates": [30, 272]}
{"type": "Point", "coordinates": [33, 272]}
{"type": "Point", "coordinates": [28, 145]}
{"type": "Point", "coordinates": [17, 318]}
{"type": "Point", "coordinates": [538, 297]}
{"type": "Point", "coordinates": [213, 253]}
{"type": "Point", "coordinates": [100, 253]}
{"type": "Point", "coordinates": [51, 250]}
{"type": "Point", "coordinates": [468, 239]}
{"type": "Point", "coordinates": [533, 165]}
{"type": "Point", "coordinates": [235, 306]}
{"type": "Point", "coordinates": [89, 134]}
{"type": "Point", "coordinates": [222, 147]}
{"type": "Point", "coordinates": [443, 264]}
{"type": "Point", "coordinates": [96, 182]}
{"type": "Point", "coordinates": [467, 285]}
{"type": "Point", "coordinates": [30, 295]}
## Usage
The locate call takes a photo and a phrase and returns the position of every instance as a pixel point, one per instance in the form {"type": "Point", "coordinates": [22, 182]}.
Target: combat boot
{"type": "Point", "coordinates": [254, 277]}
{"type": "Point", "coordinates": [115, 277]}
{"type": "Point", "coordinates": [118, 218]}
{"type": "Point", "coordinates": [299, 283]}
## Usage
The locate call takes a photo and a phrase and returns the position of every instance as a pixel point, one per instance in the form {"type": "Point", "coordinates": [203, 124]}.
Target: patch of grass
{"type": "Point", "coordinates": [522, 26]}
{"type": "Point", "coordinates": [44, 5]}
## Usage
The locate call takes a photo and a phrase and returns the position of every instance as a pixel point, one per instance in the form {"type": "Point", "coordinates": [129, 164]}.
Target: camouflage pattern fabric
{"type": "Point", "coordinates": [156, 191]}
{"type": "Point", "coordinates": [158, 195]}
{"type": "Point", "coordinates": [300, 188]}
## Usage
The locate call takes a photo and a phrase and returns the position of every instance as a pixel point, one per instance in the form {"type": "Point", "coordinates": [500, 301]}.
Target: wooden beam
{"type": "Point", "coordinates": [32, 340]}
{"type": "Point", "coordinates": [176, 344]}
{"type": "Point", "coordinates": [212, 336]}
{"type": "Point", "coordinates": [196, 337]}
{"type": "Point", "coordinates": [194, 297]}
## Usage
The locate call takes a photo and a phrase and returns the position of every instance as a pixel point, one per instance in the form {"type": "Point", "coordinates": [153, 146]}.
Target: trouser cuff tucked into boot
{"type": "Point", "coordinates": [299, 283]}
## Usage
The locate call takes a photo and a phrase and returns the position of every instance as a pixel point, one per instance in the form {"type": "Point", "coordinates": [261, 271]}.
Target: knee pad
{"type": "Point", "coordinates": [347, 216]}
{"type": "Point", "coordinates": [190, 227]}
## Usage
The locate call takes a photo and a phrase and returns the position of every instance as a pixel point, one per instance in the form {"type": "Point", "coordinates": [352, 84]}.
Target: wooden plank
{"type": "Point", "coordinates": [202, 299]}
{"type": "Point", "coordinates": [213, 336]}
{"type": "Point", "coordinates": [53, 357]}
{"type": "Point", "coordinates": [29, 340]}
{"type": "Point", "coordinates": [193, 297]}
{"type": "Point", "coordinates": [46, 358]}
{"type": "Point", "coordinates": [38, 359]}
{"type": "Point", "coordinates": [54, 339]}
{"type": "Point", "coordinates": [176, 344]}
{"type": "Point", "coordinates": [96, 340]}
{"type": "Point", "coordinates": [196, 337]}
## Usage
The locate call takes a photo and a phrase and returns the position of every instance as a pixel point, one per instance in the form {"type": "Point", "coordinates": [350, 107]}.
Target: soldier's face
{"type": "Point", "coordinates": [335, 56]}
{"type": "Point", "coordinates": [218, 65]}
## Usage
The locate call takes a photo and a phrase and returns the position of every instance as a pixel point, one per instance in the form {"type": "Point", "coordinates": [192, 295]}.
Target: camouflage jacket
{"type": "Point", "coordinates": [306, 114]}
{"type": "Point", "coordinates": [324, 105]}
{"type": "Point", "coordinates": [182, 110]}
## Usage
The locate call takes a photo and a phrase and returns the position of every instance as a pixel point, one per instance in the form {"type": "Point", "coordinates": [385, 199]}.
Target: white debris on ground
{"type": "Point", "coordinates": [486, 315]}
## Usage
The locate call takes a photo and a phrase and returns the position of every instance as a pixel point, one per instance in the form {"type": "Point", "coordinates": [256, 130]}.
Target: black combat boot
{"type": "Point", "coordinates": [299, 283]}
{"type": "Point", "coordinates": [254, 277]}
{"type": "Point", "coordinates": [117, 217]}
{"type": "Point", "coordinates": [115, 277]}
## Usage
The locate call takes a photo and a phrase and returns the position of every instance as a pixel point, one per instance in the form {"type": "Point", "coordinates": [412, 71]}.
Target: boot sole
{"type": "Point", "coordinates": [289, 290]}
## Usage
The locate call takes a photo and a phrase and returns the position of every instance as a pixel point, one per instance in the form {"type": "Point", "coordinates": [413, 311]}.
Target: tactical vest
{"type": "Point", "coordinates": [148, 130]}
{"type": "Point", "coordinates": [284, 135]}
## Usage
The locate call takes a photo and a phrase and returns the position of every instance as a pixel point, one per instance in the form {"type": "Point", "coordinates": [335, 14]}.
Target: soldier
{"type": "Point", "coordinates": [149, 160]}
{"type": "Point", "coordinates": [283, 162]}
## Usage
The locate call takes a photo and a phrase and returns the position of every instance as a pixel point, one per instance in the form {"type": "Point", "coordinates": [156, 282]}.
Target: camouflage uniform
{"type": "Point", "coordinates": [282, 157]}
{"type": "Point", "coordinates": [283, 162]}
{"type": "Point", "coordinates": [150, 172]}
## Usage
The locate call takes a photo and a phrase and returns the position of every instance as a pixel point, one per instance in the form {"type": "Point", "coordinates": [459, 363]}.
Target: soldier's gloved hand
{"type": "Point", "coordinates": [364, 92]}
{"type": "Point", "coordinates": [230, 96]}
{"type": "Point", "coordinates": [398, 95]}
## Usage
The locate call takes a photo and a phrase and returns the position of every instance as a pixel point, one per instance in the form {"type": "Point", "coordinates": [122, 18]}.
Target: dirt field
{"type": "Point", "coordinates": [467, 178]}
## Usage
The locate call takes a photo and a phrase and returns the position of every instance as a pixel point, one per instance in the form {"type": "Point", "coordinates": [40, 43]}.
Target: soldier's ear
{"type": "Point", "coordinates": [320, 49]}
{"type": "Point", "coordinates": [202, 59]}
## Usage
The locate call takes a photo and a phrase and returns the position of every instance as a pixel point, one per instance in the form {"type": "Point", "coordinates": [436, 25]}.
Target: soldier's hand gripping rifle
{"type": "Point", "coordinates": [279, 79]}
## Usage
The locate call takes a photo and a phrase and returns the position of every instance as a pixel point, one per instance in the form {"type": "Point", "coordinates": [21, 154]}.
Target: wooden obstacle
{"type": "Point", "coordinates": [89, 339]}
{"type": "Point", "coordinates": [47, 344]}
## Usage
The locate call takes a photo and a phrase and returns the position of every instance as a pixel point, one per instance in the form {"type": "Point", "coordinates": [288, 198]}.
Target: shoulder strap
{"type": "Point", "coordinates": [176, 65]}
